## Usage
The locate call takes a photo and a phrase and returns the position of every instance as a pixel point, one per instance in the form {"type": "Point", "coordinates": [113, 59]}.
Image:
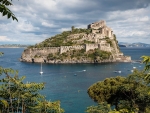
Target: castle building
{"type": "Point", "coordinates": [101, 28]}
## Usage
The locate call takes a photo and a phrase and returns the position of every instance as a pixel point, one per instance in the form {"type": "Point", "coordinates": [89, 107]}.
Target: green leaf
{"type": "Point", "coordinates": [9, 15]}
{"type": "Point", "coordinates": [4, 102]}
{"type": "Point", "coordinates": [4, 13]}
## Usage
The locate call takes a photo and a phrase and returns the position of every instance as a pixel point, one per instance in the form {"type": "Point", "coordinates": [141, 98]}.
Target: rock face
{"type": "Point", "coordinates": [100, 38]}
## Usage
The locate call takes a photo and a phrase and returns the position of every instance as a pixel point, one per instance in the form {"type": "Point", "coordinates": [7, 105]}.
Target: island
{"type": "Point", "coordinates": [95, 44]}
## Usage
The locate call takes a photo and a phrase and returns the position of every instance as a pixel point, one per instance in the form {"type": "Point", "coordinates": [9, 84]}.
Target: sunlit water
{"type": "Point", "coordinates": [69, 82]}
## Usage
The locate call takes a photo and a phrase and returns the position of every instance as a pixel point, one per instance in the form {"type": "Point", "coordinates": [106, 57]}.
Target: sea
{"type": "Point", "coordinates": [69, 82]}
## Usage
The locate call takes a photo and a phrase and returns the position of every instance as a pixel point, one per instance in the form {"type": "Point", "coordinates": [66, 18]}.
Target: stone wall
{"type": "Point", "coordinates": [91, 46]}
{"type": "Point", "coordinates": [46, 50]}
{"type": "Point", "coordinates": [97, 25]}
{"type": "Point", "coordinates": [68, 48]}
{"type": "Point", "coordinates": [105, 47]}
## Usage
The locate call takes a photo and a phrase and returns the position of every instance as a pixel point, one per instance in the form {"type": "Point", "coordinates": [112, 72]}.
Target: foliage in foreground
{"type": "Point", "coordinates": [16, 96]}
{"type": "Point", "coordinates": [5, 10]}
{"type": "Point", "coordinates": [129, 94]}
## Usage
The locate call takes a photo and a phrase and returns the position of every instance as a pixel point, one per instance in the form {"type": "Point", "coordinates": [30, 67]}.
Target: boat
{"type": "Point", "coordinates": [134, 67]}
{"type": "Point", "coordinates": [117, 71]}
{"type": "Point", "coordinates": [41, 72]}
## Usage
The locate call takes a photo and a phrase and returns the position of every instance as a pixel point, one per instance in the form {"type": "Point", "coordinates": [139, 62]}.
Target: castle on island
{"type": "Point", "coordinates": [99, 35]}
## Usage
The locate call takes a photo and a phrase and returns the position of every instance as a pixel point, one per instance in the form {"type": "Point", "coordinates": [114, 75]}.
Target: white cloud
{"type": "Point", "coordinates": [64, 29]}
{"type": "Point", "coordinates": [46, 4]}
{"type": "Point", "coordinates": [145, 18]}
{"type": "Point", "coordinates": [39, 20]}
{"type": "Point", "coordinates": [4, 38]}
{"type": "Point", "coordinates": [46, 24]}
{"type": "Point", "coordinates": [26, 26]}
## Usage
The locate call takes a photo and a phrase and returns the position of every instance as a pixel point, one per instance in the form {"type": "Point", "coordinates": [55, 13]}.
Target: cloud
{"type": "Point", "coordinates": [46, 24]}
{"type": "Point", "coordinates": [4, 38]}
{"type": "Point", "coordinates": [39, 20]}
{"type": "Point", "coordinates": [26, 26]}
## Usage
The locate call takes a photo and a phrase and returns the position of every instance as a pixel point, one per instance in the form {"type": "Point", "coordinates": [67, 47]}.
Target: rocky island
{"type": "Point", "coordinates": [96, 44]}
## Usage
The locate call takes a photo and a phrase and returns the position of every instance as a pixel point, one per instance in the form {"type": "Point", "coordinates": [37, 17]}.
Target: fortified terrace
{"type": "Point", "coordinates": [98, 35]}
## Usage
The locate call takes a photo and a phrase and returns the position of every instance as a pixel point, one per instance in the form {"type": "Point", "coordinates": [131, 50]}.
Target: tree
{"type": "Point", "coordinates": [72, 28]}
{"type": "Point", "coordinates": [102, 107]}
{"type": "Point", "coordinates": [5, 10]}
{"type": "Point", "coordinates": [16, 96]}
{"type": "Point", "coordinates": [131, 93]}
{"type": "Point", "coordinates": [146, 60]}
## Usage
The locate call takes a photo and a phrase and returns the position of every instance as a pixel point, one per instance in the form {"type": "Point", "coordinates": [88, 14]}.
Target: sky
{"type": "Point", "coordinates": [42, 19]}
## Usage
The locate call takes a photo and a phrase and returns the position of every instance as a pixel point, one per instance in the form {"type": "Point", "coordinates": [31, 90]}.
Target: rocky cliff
{"type": "Point", "coordinates": [95, 44]}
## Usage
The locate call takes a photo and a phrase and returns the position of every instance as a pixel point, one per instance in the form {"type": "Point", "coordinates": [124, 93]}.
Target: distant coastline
{"type": "Point", "coordinates": [13, 46]}
{"type": "Point", "coordinates": [133, 45]}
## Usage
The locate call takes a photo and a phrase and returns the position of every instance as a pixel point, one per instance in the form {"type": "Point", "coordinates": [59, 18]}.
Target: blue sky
{"type": "Point", "coordinates": [41, 19]}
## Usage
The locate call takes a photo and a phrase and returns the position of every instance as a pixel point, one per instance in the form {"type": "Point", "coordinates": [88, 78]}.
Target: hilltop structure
{"type": "Point", "coordinates": [101, 37]}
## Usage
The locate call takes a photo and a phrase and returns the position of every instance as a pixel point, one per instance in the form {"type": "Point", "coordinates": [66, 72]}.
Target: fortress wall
{"type": "Point", "coordinates": [104, 48]}
{"type": "Point", "coordinates": [91, 46]}
{"type": "Point", "coordinates": [69, 48]}
{"type": "Point", "coordinates": [39, 51]}
{"type": "Point", "coordinates": [53, 49]}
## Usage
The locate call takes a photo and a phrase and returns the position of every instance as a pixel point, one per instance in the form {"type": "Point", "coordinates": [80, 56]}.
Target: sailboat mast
{"type": "Point", "coordinates": [41, 72]}
{"type": "Point", "coordinates": [41, 67]}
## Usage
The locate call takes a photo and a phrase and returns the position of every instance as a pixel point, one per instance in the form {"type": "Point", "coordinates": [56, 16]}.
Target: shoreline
{"type": "Point", "coordinates": [12, 47]}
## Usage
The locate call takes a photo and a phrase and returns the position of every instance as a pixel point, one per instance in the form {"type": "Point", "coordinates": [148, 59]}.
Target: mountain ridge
{"type": "Point", "coordinates": [136, 44]}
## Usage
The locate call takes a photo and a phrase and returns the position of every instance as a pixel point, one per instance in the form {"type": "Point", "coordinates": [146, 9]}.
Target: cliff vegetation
{"type": "Point", "coordinates": [63, 39]}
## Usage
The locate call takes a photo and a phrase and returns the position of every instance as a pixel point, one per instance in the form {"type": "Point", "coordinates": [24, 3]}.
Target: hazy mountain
{"type": "Point", "coordinates": [13, 45]}
{"type": "Point", "coordinates": [138, 44]}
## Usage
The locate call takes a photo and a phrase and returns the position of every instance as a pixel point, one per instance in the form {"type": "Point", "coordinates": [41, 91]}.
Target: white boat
{"type": "Point", "coordinates": [134, 67]}
{"type": "Point", "coordinates": [41, 72]}
{"type": "Point", "coordinates": [117, 71]}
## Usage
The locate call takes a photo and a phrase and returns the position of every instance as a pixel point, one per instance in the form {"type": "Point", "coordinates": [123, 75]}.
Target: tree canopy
{"type": "Point", "coordinates": [16, 96]}
{"type": "Point", "coordinates": [5, 10]}
{"type": "Point", "coordinates": [131, 93]}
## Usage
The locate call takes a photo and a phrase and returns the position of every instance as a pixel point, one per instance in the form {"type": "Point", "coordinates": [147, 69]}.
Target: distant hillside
{"type": "Point", "coordinates": [121, 45]}
{"type": "Point", "coordinates": [13, 46]}
{"type": "Point", "coordinates": [138, 44]}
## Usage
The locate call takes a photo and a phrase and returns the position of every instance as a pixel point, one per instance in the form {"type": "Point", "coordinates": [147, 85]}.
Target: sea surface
{"type": "Point", "coordinates": [69, 82]}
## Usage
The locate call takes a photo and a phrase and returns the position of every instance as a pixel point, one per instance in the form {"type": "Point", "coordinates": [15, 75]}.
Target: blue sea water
{"type": "Point", "coordinates": [69, 82]}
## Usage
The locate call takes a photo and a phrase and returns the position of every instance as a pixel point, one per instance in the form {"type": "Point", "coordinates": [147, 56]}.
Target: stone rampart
{"type": "Point", "coordinates": [68, 48]}
{"type": "Point", "coordinates": [46, 50]}
{"type": "Point", "coordinates": [91, 46]}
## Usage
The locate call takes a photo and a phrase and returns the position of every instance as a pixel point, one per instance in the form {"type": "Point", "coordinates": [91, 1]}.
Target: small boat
{"type": "Point", "coordinates": [84, 70]}
{"type": "Point", "coordinates": [134, 67]}
{"type": "Point", "coordinates": [75, 74]}
{"type": "Point", "coordinates": [117, 71]}
{"type": "Point", "coordinates": [41, 72]}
